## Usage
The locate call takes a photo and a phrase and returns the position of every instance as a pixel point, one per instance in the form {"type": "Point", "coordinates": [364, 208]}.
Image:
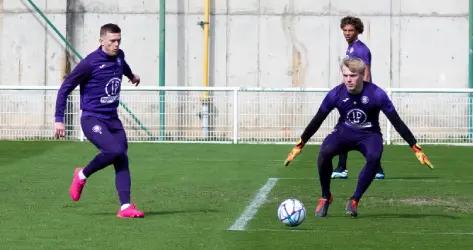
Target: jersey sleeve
{"type": "Point", "coordinates": [388, 109]}
{"type": "Point", "coordinates": [330, 100]}
{"type": "Point", "coordinates": [365, 55]}
{"type": "Point", "coordinates": [361, 51]}
{"type": "Point", "coordinates": [328, 104]}
{"type": "Point", "coordinates": [385, 103]}
{"type": "Point", "coordinates": [80, 74]}
{"type": "Point", "coordinates": [126, 68]}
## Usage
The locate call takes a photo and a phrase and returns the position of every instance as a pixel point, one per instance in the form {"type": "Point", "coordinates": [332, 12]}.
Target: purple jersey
{"type": "Point", "coordinates": [361, 111]}
{"type": "Point", "coordinates": [358, 49]}
{"type": "Point", "coordinates": [358, 112]}
{"type": "Point", "coordinates": [99, 76]}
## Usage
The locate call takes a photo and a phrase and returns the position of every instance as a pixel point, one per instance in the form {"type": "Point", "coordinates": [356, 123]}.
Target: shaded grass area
{"type": "Point", "coordinates": [192, 193]}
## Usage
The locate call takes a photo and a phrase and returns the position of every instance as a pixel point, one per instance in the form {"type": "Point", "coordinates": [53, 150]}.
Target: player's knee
{"type": "Point", "coordinates": [373, 157]}
{"type": "Point", "coordinates": [326, 151]}
{"type": "Point", "coordinates": [324, 156]}
{"type": "Point", "coordinates": [116, 153]}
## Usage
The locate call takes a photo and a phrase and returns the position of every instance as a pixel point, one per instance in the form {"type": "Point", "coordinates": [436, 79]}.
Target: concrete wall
{"type": "Point", "coordinates": [264, 43]}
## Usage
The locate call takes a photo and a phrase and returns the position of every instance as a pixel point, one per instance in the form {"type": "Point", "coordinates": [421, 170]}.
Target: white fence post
{"type": "Point", "coordinates": [81, 135]}
{"type": "Point", "coordinates": [388, 124]}
{"type": "Point", "coordinates": [235, 115]}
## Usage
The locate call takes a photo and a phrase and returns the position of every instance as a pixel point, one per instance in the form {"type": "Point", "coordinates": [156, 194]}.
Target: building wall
{"type": "Point", "coordinates": [257, 43]}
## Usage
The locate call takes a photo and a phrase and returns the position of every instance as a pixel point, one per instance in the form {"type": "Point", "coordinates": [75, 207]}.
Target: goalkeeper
{"type": "Point", "coordinates": [359, 103]}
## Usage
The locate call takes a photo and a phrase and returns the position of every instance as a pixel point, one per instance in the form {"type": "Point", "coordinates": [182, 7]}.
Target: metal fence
{"type": "Point", "coordinates": [233, 115]}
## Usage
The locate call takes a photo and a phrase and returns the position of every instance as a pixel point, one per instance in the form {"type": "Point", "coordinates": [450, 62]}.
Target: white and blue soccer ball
{"type": "Point", "coordinates": [291, 212]}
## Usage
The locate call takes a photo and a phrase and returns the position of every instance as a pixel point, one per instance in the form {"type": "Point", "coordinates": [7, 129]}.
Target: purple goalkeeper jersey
{"type": "Point", "coordinates": [358, 49]}
{"type": "Point", "coordinates": [99, 76]}
{"type": "Point", "coordinates": [361, 111]}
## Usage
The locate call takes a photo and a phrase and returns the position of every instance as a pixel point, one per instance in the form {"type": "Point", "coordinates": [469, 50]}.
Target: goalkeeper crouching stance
{"type": "Point", "coordinates": [359, 103]}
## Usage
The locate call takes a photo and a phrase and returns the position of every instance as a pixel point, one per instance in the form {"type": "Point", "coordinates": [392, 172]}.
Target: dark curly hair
{"type": "Point", "coordinates": [355, 21]}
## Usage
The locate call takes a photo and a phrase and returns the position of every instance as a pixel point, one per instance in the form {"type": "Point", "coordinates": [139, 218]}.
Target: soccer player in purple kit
{"type": "Point", "coordinates": [352, 27]}
{"type": "Point", "coordinates": [359, 104]}
{"type": "Point", "coordinates": [99, 76]}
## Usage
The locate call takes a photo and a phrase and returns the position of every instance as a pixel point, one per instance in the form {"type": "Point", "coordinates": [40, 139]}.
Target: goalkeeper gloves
{"type": "Point", "coordinates": [423, 159]}
{"type": "Point", "coordinates": [294, 152]}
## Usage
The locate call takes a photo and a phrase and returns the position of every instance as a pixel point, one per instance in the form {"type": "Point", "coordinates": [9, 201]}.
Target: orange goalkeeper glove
{"type": "Point", "coordinates": [294, 152]}
{"type": "Point", "coordinates": [423, 159]}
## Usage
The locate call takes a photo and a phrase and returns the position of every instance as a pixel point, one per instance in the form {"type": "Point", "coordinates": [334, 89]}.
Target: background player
{"type": "Point", "coordinates": [352, 27]}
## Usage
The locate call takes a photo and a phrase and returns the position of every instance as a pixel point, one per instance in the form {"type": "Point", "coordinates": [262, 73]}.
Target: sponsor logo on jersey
{"type": "Point", "coordinates": [112, 88]}
{"type": "Point", "coordinates": [357, 118]}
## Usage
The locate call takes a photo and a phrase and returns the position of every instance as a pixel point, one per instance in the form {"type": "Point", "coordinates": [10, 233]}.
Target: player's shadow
{"type": "Point", "coordinates": [191, 211]}
{"type": "Point", "coordinates": [412, 178]}
{"type": "Point", "coordinates": [167, 212]}
{"type": "Point", "coordinates": [407, 216]}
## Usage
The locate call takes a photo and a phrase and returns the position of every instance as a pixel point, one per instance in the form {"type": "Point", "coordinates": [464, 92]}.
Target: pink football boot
{"type": "Point", "coordinates": [77, 185]}
{"type": "Point", "coordinates": [130, 212]}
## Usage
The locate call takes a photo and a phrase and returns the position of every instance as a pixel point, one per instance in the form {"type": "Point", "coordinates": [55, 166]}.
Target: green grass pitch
{"type": "Point", "coordinates": [192, 194]}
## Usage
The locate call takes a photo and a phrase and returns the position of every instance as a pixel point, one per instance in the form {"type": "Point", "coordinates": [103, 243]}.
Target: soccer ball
{"type": "Point", "coordinates": [291, 212]}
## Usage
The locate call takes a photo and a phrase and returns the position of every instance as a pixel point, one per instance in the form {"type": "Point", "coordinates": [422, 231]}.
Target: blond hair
{"type": "Point", "coordinates": [354, 65]}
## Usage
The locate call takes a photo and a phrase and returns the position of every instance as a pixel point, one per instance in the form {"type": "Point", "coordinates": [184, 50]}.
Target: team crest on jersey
{"type": "Point", "coordinates": [119, 61]}
{"type": "Point", "coordinates": [111, 89]}
{"type": "Point", "coordinates": [97, 129]}
{"type": "Point", "coordinates": [365, 99]}
{"type": "Point", "coordinates": [357, 118]}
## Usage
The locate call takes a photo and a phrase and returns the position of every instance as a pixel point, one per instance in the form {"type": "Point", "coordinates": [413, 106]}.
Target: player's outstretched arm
{"type": "Point", "coordinates": [309, 131]}
{"type": "Point", "coordinates": [295, 151]}
{"type": "Point", "coordinates": [421, 156]}
{"type": "Point", "coordinates": [407, 135]}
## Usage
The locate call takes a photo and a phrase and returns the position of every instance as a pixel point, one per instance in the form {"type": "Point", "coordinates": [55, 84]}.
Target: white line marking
{"type": "Point", "coordinates": [252, 208]}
